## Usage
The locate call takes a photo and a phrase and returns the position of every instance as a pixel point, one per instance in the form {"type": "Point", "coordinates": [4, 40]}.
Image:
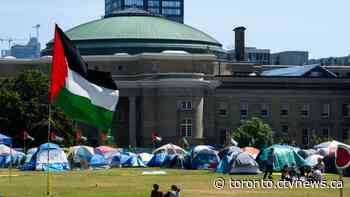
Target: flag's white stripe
{"type": "Point", "coordinates": [98, 95]}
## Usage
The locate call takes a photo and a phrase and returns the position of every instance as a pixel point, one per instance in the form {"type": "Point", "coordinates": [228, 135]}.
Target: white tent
{"type": "Point", "coordinates": [244, 163]}
{"type": "Point", "coordinates": [170, 149]}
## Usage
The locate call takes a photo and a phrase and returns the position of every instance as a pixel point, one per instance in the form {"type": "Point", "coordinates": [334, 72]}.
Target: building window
{"type": "Point", "coordinates": [134, 3]}
{"type": "Point", "coordinates": [172, 4]}
{"type": "Point", "coordinates": [244, 110]}
{"type": "Point", "coordinates": [345, 134]}
{"type": "Point", "coordinates": [186, 105]}
{"type": "Point", "coordinates": [325, 133]}
{"type": "Point", "coordinates": [305, 110]}
{"type": "Point", "coordinates": [325, 110]}
{"type": "Point", "coordinates": [264, 112]}
{"type": "Point", "coordinates": [284, 110]}
{"type": "Point", "coordinates": [285, 129]}
{"type": "Point", "coordinates": [305, 136]}
{"type": "Point", "coordinates": [153, 3]}
{"type": "Point", "coordinates": [346, 110]}
{"type": "Point", "coordinates": [222, 110]}
{"type": "Point", "coordinates": [168, 11]}
{"type": "Point", "coordinates": [186, 127]}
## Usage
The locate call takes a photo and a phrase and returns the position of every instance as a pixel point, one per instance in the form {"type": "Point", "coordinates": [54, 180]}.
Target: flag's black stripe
{"type": "Point", "coordinates": [77, 64]}
{"type": "Point", "coordinates": [101, 78]}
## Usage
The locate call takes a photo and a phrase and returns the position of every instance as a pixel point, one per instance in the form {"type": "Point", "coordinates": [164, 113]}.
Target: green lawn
{"type": "Point", "coordinates": [131, 183]}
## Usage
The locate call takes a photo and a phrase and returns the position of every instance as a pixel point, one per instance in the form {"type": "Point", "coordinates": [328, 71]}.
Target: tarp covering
{"type": "Point", "coordinates": [5, 139]}
{"type": "Point", "coordinates": [284, 155]}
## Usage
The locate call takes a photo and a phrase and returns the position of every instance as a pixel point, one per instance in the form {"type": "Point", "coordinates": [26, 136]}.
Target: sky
{"type": "Point", "coordinates": [318, 26]}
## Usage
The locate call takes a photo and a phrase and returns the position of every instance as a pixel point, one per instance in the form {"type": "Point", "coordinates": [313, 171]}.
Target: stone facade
{"type": "Point", "coordinates": [199, 96]}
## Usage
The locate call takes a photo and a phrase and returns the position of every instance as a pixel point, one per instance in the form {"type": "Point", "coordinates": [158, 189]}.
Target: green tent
{"type": "Point", "coordinates": [284, 155]}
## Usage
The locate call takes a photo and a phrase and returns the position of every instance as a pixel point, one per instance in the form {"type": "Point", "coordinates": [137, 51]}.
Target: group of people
{"type": "Point", "coordinates": [304, 172]}
{"type": "Point", "coordinates": [291, 173]}
{"type": "Point", "coordinates": [174, 192]}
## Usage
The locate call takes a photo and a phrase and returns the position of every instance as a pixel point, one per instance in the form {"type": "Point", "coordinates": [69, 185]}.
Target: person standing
{"type": "Point", "coordinates": [269, 164]}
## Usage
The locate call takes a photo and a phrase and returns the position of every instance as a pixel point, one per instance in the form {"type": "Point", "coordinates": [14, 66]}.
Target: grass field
{"type": "Point", "coordinates": [131, 183]}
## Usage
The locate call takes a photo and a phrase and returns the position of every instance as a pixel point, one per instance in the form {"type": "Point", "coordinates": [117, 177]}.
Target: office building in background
{"type": "Point", "coordinates": [171, 9]}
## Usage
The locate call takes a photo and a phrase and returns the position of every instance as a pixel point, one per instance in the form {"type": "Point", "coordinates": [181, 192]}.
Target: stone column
{"type": "Point", "coordinates": [132, 121]}
{"type": "Point", "coordinates": [198, 133]}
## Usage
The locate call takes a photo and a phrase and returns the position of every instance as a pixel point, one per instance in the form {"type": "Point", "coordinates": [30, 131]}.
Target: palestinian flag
{"type": "Point", "coordinates": [88, 96]}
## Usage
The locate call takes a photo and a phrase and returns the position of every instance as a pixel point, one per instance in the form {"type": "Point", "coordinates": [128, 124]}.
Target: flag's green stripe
{"type": "Point", "coordinates": [81, 109]}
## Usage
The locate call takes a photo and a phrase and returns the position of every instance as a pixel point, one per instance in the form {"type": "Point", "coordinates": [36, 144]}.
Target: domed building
{"type": "Point", "coordinates": [136, 31]}
{"type": "Point", "coordinates": [174, 82]}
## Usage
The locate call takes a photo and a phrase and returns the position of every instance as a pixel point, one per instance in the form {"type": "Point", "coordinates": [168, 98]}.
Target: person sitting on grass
{"type": "Point", "coordinates": [174, 192]}
{"type": "Point", "coordinates": [285, 174]}
{"type": "Point", "coordinates": [155, 192]}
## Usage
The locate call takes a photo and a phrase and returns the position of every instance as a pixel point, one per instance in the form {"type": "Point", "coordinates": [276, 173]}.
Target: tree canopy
{"type": "Point", "coordinates": [24, 107]}
{"type": "Point", "coordinates": [253, 132]}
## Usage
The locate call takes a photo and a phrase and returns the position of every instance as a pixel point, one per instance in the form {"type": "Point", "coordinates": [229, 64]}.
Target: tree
{"type": "Point", "coordinates": [24, 106]}
{"type": "Point", "coordinates": [254, 133]}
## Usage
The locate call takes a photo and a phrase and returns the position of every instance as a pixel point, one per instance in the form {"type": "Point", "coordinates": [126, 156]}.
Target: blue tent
{"type": "Point", "coordinates": [157, 160]}
{"type": "Point", "coordinates": [174, 161]}
{"type": "Point", "coordinates": [204, 157]}
{"type": "Point", "coordinates": [99, 161]}
{"type": "Point", "coordinates": [39, 160]}
{"type": "Point", "coordinates": [126, 160]}
{"type": "Point", "coordinates": [5, 139]}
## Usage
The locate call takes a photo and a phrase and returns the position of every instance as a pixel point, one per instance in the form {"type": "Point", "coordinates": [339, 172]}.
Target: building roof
{"type": "Point", "coordinates": [138, 27]}
{"type": "Point", "coordinates": [136, 32]}
{"type": "Point", "coordinates": [299, 71]}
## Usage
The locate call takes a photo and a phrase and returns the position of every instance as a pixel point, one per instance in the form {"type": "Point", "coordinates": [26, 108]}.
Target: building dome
{"type": "Point", "coordinates": [136, 32]}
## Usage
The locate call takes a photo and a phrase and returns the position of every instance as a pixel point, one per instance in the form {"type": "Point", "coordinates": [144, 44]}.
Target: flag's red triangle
{"type": "Point", "coordinates": [342, 158]}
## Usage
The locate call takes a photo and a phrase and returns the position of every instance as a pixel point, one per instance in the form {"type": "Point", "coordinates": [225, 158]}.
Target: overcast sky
{"type": "Point", "coordinates": [318, 26]}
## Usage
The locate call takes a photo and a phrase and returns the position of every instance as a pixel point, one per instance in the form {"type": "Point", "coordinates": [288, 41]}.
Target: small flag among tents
{"type": "Point", "coordinates": [342, 156]}
{"type": "Point", "coordinates": [54, 137]}
{"type": "Point", "coordinates": [156, 138]}
{"type": "Point", "coordinates": [88, 96]}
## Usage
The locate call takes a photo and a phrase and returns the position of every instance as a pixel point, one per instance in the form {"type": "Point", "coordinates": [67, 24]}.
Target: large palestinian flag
{"type": "Point", "coordinates": [88, 96]}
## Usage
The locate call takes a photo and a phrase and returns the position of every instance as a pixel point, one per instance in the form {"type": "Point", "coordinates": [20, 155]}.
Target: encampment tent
{"type": "Point", "coordinates": [174, 161]}
{"type": "Point", "coordinates": [327, 148]}
{"type": "Point", "coordinates": [244, 163]}
{"type": "Point", "coordinates": [126, 159]}
{"type": "Point", "coordinates": [98, 161]}
{"type": "Point", "coordinates": [145, 157]}
{"type": "Point", "coordinates": [77, 154]}
{"type": "Point", "coordinates": [39, 160]}
{"type": "Point", "coordinates": [5, 157]}
{"type": "Point", "coordinates": [157, 160]}
{"type": "Point", "coordinates": [284, 155]}
{"type": "Point", "coordinates": [204, 157]}
{"type": "Point", "coordinates": [312, 160]}
{"type": "Point", "coordinates": [252, 151]}
{"type": "Point", "coordinates": [102, 150]}
{"type": "Point", "coordinates": [170, 149]}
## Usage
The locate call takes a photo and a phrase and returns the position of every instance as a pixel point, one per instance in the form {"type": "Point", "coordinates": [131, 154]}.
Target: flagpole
{"type": "Point", "coordinates": [341, 192]}
{"type": "Point", "coordinates": [49, 187]}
